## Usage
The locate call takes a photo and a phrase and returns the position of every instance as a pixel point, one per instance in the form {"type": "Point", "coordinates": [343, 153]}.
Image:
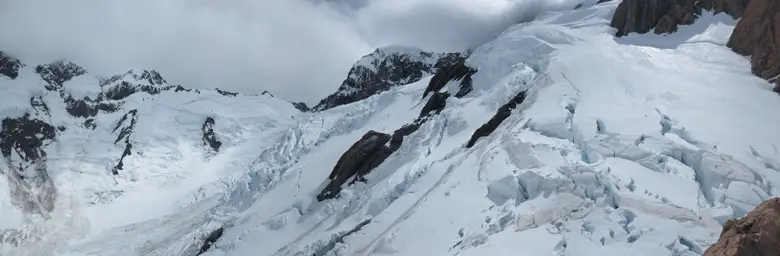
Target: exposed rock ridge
{"type": "Point", "coordinates": [503, 113]}
{"type": "Point", "coordinates": [124, 134]}
{"type": "Point", "coordinates": [371, 150]}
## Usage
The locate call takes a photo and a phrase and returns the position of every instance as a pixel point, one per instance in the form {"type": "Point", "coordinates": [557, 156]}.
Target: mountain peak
{"type": "Point", "coordinates": [384, 69]}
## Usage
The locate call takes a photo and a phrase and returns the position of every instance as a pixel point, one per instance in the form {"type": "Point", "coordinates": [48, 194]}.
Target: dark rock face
{"type": "Point", "coordinates": [26, 136]}
{"type": "Point", "coordinates": [382, 70]}
{"type": "Point", "coordinates": [757, 234]}
{"type": "Point", "coordinates": [209, 137]}
{"type": "Point", "coordinates": [211, 238]}
{"type": "Point", "coordinates": [435, 104]}
{"type": "Point", "coordinates": [373, 143]}
{"type": "Point", "coordinates": [664, 16]}
{"type": "Point", "coordinates": [365, 155]}
{"type": "Point", "coordinates": [370, 151]}
{"type": "Point", "coordinates": [24, 139]}
{"type": "Point", "coordinates": [454, 71]}
{"type": "Point", "coordinates": [90, 124]}
{"type": "Point", "coordinates": [503, 113]}
{"type": "Point", "coordinates": [58, 72]}
{"type": "Point", "coordinates": [124, 136]}
{"type": "Point", "coordinates": [735, 8]}
{"type": "Point", "coordinates": [301, 106]}
{"type": "Point", "coordinates": [9, 66]}
{"type": "Point", "coordinates": [39, 106]}
{"type": "Point", "coordinates": [756, 34]}
{"type": "Point", "coordinates": [147, 81]}
{"type": "Point", "coordinates": [227, 93]}
{"type": "Point", "coordinates": [86, 108]}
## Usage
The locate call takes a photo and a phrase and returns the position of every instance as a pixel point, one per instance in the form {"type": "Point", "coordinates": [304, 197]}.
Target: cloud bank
{"type": "Point", "coordinates": [300, 50]}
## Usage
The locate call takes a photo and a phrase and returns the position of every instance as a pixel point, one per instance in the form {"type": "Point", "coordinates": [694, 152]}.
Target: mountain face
{"type": "Point", "coordinates": [664, 16]}
{"type": "Point", "coordinates": [562, 136]}
{"type": "Point", "coordinates": [385, 68]}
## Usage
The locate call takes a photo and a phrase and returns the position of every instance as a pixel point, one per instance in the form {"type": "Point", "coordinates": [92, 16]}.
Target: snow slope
{"type": "Point", "coordinates": [642, 145]}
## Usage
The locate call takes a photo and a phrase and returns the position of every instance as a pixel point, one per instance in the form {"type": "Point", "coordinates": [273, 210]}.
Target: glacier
{"type": "Point", "coordinates": [640, 145]}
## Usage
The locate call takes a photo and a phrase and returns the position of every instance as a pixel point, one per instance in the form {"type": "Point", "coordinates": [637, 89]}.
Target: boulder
{"type": "Point", "coordinates": [757, 234]}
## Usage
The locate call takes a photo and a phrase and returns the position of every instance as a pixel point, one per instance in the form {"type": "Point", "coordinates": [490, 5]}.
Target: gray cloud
{"type": "Point", "coordinates": [299, 50]}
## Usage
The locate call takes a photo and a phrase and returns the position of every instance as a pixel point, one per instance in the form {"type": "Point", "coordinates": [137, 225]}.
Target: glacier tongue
{"type": "Point", "coordinates": [618, 147]}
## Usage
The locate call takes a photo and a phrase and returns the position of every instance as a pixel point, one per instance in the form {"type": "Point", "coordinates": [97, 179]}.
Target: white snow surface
{"type": "Point", "coordinates": [642, 145]}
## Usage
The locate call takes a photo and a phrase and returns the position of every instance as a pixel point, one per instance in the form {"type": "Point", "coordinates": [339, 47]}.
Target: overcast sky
{"type": "Point", "coordinates": [300, 50]}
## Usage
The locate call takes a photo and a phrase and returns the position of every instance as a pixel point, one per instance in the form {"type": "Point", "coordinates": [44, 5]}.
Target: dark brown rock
{"type": "Point", "coordinates": [639, 16]}
{"type": "Point", "coordinates": [677, 15]}
{"type": "Point", "coordinates": [756, 35]}
{"type": "Point", "coordinates": [735, 8]}
{"type": "Point", "coordinates": [777, 87]}
{"type": "Point", "coordinates": [757, 234]}
{"type": "Point", "coordinates": [365, 155]}
{"type": "Point", "coordinates": [665, 16]}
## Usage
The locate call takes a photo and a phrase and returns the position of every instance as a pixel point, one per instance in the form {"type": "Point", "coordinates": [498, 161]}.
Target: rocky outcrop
{"type": "Point", "coordinates": [383, 69]}
{"type": "Point", "coordinates": [453, 71]}
{"type": "Point", "coordinates": [370, 151]}
{"type": "Point", "coordinates": [365, 155]}
{"type": "Point", "coordinates": [756, 34]}
{"type": "Point", "coordinates": [209, 240]}
{"type": "Point", "coordinates": [39, 105]}
{"type": "Point", "coordinates": [87, 108]}
{"type": "Point", "coordinates": [209, 137]}
{"type": "Point", "coordinates": [22, 143]}
{"type": "Point", "coordinates": [122, 86]}
{"type": "Point", "coordinates": [665, 16]}
{"type": "Point", "coordinates": [26, 137]}
{"type": "Point", "coordinates": [503, 113]}
{"type": "Point", "coordinates": [9, 66]}
{"type": "Point", "coordinates": [57, 73]}
{"type": "Point", "coordinates": [435, 104]}
{"type": "Point", "coordinates": [227, 93]}
{"type": "Point", "coordinates": [127, 123]}
{"type": "Point", "coordinates": [301, 106]}
{"type": "Point", "coordinates": [757, 234]}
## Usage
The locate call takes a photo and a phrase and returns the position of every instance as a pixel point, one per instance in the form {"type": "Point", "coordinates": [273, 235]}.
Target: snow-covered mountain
{"type": "Point", "coordinates": [555, 138]}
